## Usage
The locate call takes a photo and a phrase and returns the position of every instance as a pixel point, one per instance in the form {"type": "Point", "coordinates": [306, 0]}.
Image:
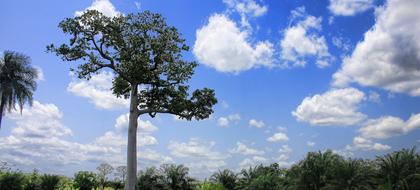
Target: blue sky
{"type": "Point", "coordinates": [290, 76]}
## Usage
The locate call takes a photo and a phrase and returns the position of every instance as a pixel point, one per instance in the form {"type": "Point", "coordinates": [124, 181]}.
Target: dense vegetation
{"type": "Point", "coordinates": [318, 170]}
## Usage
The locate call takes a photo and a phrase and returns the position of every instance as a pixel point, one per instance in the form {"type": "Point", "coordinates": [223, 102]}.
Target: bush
{"type": "Point", "coordinates": [210, 186]}
{"type": "Point", "coordinates": [33, 181]}
{"type": "Point", "coordinates": [49, 182]}
{"type": "Point", "coordinates": [84, 180]}
{"type": "Point", "coordinates": [12, 181]}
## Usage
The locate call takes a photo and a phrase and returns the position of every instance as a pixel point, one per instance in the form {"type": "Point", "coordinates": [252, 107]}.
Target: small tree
{"type": "Point", "coordinates": [84, 180]}
{"type": "Point", "coordinates": [145, 55]}
{"type": "Point", "coordinates": [17, 81]}
{"type": "Point", "coordinates": [121, 172]}
{"type": "Point", "coordinates": [103, 171]}
{"type": "Point", "coordinates": [49, 182]}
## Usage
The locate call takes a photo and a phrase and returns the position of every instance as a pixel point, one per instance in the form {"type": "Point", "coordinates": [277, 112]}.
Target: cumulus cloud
{"type": "Point", "coordinates": [246, 8]}
{"type": "Point", "coordinates": [255, 123]}
{"type": "Point", "coordinates": [310, 143]}
{"type": "Point", "coordinates": [200, 153]}
{"type": "Point", "coordinates": [255, 160]}
{"type": "Point", "coordinates": [195, 148]}
{"type": "Point", "coordinates": [389, 55]}
{"type": "Point", "coordinates": [285, 149]}
{"type": "Point", "coordinates": [98, 91]}
{"type": "Point", "coordinates": [336, 107]}
{"type": "Point", "coordinates": [241, 148]}
{"type": "Point", "coordinates": [39, 138]}
{"type": "Point", "coordinates": [360, 143]}
{"type": "Point", "coordinates": [389, 126]}
{"type": "Point", "coordinates": [222, 45]}
{"type": "Point", "coordinates": [121, 123]}
{"type": "Point", "coordinates": [302, 40]}
{"type": "Point", "coordinates": [103, 6]}
{"type": "Point", "coordinates": [278, 137]}
{"type": "Point", "coordinates": [349, 7]}
{"type": "Point", "coordinates": [225, 121]}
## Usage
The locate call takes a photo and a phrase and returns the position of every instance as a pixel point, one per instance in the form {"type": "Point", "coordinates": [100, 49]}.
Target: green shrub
{"type": "Point", "coordinates": [84, 180]}
{"type": "Point", "coordinates": [210, 186]}
{"type": "Point", "coordinates": [33, 181]}
{"type": "Point", "coordinates": [12, 181]}
{"type": "Point", "coordinates": [49, 182]}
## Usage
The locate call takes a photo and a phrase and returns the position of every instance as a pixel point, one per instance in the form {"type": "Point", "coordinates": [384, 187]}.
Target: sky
{"type": "Point", "coordinates": [290, 76]}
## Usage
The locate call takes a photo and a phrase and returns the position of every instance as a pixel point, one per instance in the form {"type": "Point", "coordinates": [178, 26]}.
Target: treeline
{"type": "Point", "coordinates": [317, 171]}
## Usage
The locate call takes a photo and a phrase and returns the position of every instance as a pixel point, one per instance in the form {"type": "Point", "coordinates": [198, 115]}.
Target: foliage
{"type": "Point", "coordinates": [261, 178]}
{"type": "Point", "coordinates": [104, 170]}
{"type": "Point", "coordinates": [33, 181]}
{"type": "Point", "coordinates": [17, 81]}
{"type": "Point", "coordinates": [318, 170]}
{"type": "Point", "coordinates": [12, 181]}
{"type": "Point", "coordinates": [146, 56]}
{"type": "Point", "coordinates": [151, 179]}
{"type": "Point", "coordinates": [176, 177]}
{"type": "Point", "coordinates": [210, 186]}
{"type": "Point", "coordinates": [85, 180]}
{"type": "Point", "coordinates": [400, 169]}
{"type": "Point", "coordinates": [227, 178]}
{"type": "Point", "coordinates": [49, 182]}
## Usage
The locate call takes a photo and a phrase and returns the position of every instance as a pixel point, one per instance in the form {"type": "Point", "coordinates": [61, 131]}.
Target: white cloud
{"type": "Point", "coordinates": [195, 148]}
{"type": "Point", "coordinates": [40, 120]}
{"type": "Point", "coordinates": [389, 55]}
{"type": "Point", "coordinates": [152, 155]}
{"type": "Point", "coordinates": [223, 46]}
{"type": "Point", "coordinates": [336, 107]}
{"type": "Point", "coordinates": [389, 126]}
{"type": "Point", "coordinates": [138, 5]}
{"type": "Point", "coordinates": [250, 162]}
{"type": "Point", "coordinates": [310, 143]}
{"type": "Point", "coordinates": [98, 91]}
{"type": "Point", "coordinates": [40, 73]}
{"type": "Point", "coordinates": [121, 123]}
{"type": "Point", "coordinates": [360, 143]}
{"type": "Point", "coordinates": [278, 137]}
{"type": "Point", "coordinates": [374, 97]}
{"type": "Point", "coordinates": [40, 139]}
{"type": "Point", "coordinates": [349, 7]}
{"type": "Point", "coordinates": [302, 40]}
{"type": "Point", "coordinates": [206, 165]}
{"type": "Point", "coordinates": [341, 43]}
{"type": "Point", "coordinates": [246, 8]}
{"type": "Point", "coordinates": [225, 121]}
{"type": "Point", "coordinates": [285, 149]}
{"type": "Point", "coordinates": [241, 148]}
{"type": "Point", "coordinates": [255, 123]}
{"type": "Point", "coordinates": [103, 6]}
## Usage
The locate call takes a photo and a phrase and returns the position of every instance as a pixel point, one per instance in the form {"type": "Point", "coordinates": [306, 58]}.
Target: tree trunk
{"type": "Point", "coordinates": [132, 142]}
{"type": "Point", "coordinates": [2, 103]}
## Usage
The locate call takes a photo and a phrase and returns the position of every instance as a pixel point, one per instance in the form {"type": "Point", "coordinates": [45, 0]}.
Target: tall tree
{"type": "Point", "coordinates": [104, 170]}
{"type": "Point", "coordinates": [145, 55]}
{"type": "Point", "coordinates": [17, 81]}
{"type": "Point", "coordinates": [121, 172]}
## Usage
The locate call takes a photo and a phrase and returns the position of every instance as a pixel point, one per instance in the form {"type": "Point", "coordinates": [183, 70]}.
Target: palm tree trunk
{"type": "Point", "coordinates": [132, 142]}
{"type": "Point", "coordinates": [1, 109]}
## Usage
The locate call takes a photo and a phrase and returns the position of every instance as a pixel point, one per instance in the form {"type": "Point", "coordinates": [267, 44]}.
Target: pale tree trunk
{"type": "Point", "coordinates": [132, 142]}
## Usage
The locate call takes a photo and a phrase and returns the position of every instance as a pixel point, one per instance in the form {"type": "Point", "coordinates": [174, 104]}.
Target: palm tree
{"type": "Point", "coordinates": [176, 177]}
{"type": "Point", "coordinates": [400, 169]}
{"type": "Point", "coordinates": [17, 81]}
{"type": "Point", "coordinates": [226, 177]}
{"type": "Point", "coordinates": [352, 174]}
{"type": "Point", "coordinates": [316, 169]}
